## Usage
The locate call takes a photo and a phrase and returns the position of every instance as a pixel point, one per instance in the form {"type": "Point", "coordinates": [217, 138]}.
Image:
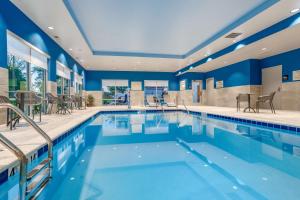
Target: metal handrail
{"type": "Point", "coordinates": [33, 124]}
{"type": "Point", "coordinates": [18, 152]}
{"type": "Point", "coordinates": [23, 163]}
{"type": "Point", "coordinates": [185, 107]}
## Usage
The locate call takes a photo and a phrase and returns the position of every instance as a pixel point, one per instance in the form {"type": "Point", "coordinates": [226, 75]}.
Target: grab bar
{"type": "Point", "coordinates": [18, 152]}
{"type": "Point", "coordinates": [23, 163]}
{"type": "Point", "coordinates": [185, 107]}
{"type": "Point", "coordinates": [33, 124]}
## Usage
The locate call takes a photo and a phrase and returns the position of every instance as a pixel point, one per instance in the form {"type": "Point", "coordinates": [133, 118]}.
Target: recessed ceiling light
{"type": "Point", "coordinates": [50, 27]}
{"type": "Point", "coordinates": [295, 10]}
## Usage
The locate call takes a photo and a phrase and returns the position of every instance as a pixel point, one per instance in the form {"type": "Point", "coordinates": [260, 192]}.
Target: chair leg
{"type": "Point", "coordinates": [40, 113]}
{"type": "Point", "coordinates": [7, 117]}
{"type": "Point", "coordinates": [257, 107]}
{"type": "Point", "coordinates": [272, 107]}
{"type": "Point", "coordinates": [51, 108]}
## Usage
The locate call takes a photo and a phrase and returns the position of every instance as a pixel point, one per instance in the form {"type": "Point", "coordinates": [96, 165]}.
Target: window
{"type": "Point", "coordinates": [78, 83]}
{"type": "Point", "coordinates": [63, 77]}
{"type": "Point", "coordinates": [115, 92]}
{"type": "Point", "coordinates": [27, 67]}
{"type": "Point", "coordinates": [38, 80]}
{"type": "Point", "coordinates": [155, 88]}
{"type": "Point", "coordinates": [59, 82]}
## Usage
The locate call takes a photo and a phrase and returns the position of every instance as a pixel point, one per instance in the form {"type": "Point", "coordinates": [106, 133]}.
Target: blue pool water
{"type": "Point", "coordinates": [172, 155]}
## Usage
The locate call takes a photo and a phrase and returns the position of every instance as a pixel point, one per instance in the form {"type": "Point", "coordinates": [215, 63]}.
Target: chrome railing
{"type": "Point", "coordinates": [23, 163]}
{"type": "Point", "coordinates": [33, 124]}
{"type": "Point", "coordinates": [18, 152]}
{"type": "Point", "coordinates": [185, 107]}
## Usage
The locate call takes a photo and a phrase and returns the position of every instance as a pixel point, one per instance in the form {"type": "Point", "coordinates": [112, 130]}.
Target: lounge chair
{"type": "Point", "coordinates": [63, 104]}
{"type": "Point", "coordinates": [51, 100]}
{"type": "Point", "coordinates": [10, 119]}
{"type": "Point", "coordinates": [30, 98]}
{"type": "Point", "coordinates": [241, 98]}
{"type": "Point", "coordinates": [170, 102]}
{"type": "Point", "coordinates": [266, 99]}
{"type": "Point", "coordinates": [151, 101]}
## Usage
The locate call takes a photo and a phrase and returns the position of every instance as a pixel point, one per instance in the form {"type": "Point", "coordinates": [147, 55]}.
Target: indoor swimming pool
{"type": "Point", "coordinates": [171, 155]}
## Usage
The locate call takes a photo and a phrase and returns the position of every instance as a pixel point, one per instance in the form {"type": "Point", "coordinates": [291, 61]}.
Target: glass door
{"type": "Point", "coordinates": [197, 90]}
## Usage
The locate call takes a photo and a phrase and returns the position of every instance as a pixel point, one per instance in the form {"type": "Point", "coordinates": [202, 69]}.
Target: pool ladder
{"type": "Point", "coordinates": [188, 112]}
{"type": "Point", "coordinates": [31, 183]}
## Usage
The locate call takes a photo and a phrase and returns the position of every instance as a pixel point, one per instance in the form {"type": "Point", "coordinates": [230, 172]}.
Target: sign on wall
{"type": "Point", "coordinates": [219, 84]}
{"type": "Point", "coordinates": [136, 85]}
{"type": "Point", "coordinates": [296, 75]}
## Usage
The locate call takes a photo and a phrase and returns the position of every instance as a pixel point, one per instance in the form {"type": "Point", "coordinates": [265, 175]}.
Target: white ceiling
{"type": "Point", "coordinates": [272, 45]}
{"type": "Point", "coordinates": [172, 27]}
{"type": "Point", "coordinates": [54, 13]}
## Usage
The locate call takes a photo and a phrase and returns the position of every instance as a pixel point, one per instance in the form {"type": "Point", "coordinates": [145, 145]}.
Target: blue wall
{"type": "Point", "coordinates": [247, 72]}
{"type": "Point", "coordinates": [13, 19]}
{"type": "Point", "coordinates": [290, 62]}
{"type": "Point", "coordinates": [93, 78]}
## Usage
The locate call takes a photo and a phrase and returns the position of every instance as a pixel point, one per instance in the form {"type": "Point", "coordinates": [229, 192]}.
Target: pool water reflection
{"type": "Point", "coordinates": [172, 155]}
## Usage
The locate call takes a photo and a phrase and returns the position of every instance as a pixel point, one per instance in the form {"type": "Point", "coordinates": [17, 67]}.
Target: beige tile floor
{"type": "Point", "coordinates": [291, 118]}
{"type": "Point", "coordinates": [55, 125]}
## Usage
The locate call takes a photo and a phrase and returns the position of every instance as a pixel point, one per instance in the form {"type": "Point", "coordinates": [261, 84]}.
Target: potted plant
{"type": "Point", "coordinates": [90, 100]}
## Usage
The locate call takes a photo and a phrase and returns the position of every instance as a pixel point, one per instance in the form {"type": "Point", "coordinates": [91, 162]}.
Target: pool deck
{"type": "Point", "coordinates": [55, 125]}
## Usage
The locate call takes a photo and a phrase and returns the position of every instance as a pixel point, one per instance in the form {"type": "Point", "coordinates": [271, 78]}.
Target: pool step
{"type": "Point", "coordinates": [38, 182]}
{"type": "Point", "coordinates": [38, 178]}
{"type": "Point", "coordinates": [38, 168]}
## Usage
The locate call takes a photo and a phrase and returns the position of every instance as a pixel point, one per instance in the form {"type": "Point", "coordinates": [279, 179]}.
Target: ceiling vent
{"type": "Point", "coordinates": [233, 35]}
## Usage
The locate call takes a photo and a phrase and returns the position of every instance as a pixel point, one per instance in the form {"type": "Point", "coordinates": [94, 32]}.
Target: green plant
{"type": "Point", "coordinates": [90, 100]}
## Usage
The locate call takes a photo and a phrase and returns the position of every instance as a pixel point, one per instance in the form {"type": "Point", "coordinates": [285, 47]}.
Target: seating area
{"type": "Point", "coordinates": [260, 100]}
{"type": "Point", "coordinates": [31, 103]}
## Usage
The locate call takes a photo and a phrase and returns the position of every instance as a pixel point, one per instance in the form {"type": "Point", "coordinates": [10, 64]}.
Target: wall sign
{"type": "Point", "coordinates": [219, 84]}
{"type": "Point", "coordinates": [285, 77]}
{"type": "Point", "coordinates": [296, 75]}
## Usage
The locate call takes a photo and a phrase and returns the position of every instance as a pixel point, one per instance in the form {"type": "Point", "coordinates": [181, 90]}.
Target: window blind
{"type": "Point", "coordinates": [63, 71]}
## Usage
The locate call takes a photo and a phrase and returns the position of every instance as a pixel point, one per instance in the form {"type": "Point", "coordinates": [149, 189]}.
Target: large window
{"type": "Point", "coordinates": [155, 88]}
{"type": "Point", "coordinates": [63, 77]}
{"type": "Point", "coordinates": [38, 80]}
{"type": "Point", "coordinates": [27, 67]}
{"type": "Point", "coordinates": [115, 92]}
{"type": "Point", "coordinates": [78, 83]}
